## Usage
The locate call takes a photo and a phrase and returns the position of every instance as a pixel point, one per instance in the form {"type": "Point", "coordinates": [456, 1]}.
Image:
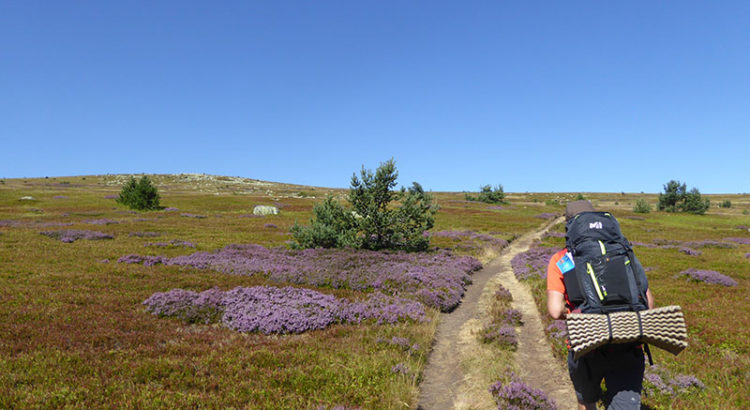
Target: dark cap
{"type": "Point", "coordinates": [576, 207]}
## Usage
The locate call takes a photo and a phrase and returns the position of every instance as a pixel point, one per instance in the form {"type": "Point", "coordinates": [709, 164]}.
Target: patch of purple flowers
{"type": "Point", "coordinates": [690, 251]}
{"type": "Point", "coordinates": [709, 243]}
{"type": "Point", "coordinates": [709, 276]}
{"type": "Point", "coordinates": [145, 234]}
{"type": "Point", "coordinates": [553, 234]}
{"type": "Point", "coordinates": [189, 215]}
{"type": "Point", "coordinates": [72, 235]}
{"type": "Point", "coordinates": [102, 221]}
{"type": "Point", "coordinates": [110, 196]}
{"type": "Point", "coordinates": [171, 209]}
{"type": "Point", "coordinates": [504, 335]}
{"type": "Point", "coordinates": [534, 261]}
{"type": "Point", "coordinates": [517, 395]}
{"type": "Point", "coordinates": [400, 369]}
{"type": "Point", "coordinates": [436, 279]}
{"type": "Point", "coordinates": [558, 329]}
{"type": "Point", "coordinates": [546, 215]}
{"type": "Point", "coordinates": [269, 309]}
{"type": "Point", "coordinates": [270, 226]}
{"type": "Point", "coordinates": [657, 381]}
{"type": "Point", "coordinates": [145, 260]}
{"type": "Point", "coordinates": [503, 294]}
{"type": "Point", "coordinates": [741, 241]}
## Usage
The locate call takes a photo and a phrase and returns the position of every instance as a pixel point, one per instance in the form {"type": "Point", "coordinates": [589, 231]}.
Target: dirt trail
{"type": "Point", "coordinates": [451, 382]}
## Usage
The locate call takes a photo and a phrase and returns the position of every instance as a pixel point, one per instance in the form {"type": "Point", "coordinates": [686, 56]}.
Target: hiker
{"type": "Point", "coordinates": [621, 366]}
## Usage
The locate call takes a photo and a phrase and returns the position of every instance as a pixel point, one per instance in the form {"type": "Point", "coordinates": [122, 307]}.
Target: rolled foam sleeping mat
{"type": "Point", "coordinates": [662, 327]}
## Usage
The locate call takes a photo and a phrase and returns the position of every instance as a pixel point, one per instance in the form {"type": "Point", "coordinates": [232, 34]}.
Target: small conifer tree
{"type": "Point", "coordinates": [141, 195]}
{"type": "Point", "coordinates": [642, 207]}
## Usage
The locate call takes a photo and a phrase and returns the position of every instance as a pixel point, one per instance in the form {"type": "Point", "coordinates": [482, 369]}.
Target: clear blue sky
{"type": "Point", "coordinates": [537, 96]}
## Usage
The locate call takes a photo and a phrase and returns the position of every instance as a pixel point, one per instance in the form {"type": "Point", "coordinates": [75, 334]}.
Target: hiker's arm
{"type": "Point", "coordinates": [650, 299]}
{"type": "Point", "coordinates": [556, 304]}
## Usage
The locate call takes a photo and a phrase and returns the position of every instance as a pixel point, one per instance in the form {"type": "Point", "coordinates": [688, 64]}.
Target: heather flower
{"type": "Point", "coordinates": [691, 252]}
{"type": "Point", "coordinates": [655, 384]}
{"type": "Point", "coordinates": [708, 243]}
{"type": "Point", "coordinates": [60, 197]}
{"type": "Point", "coordinates": [495, 207]}
{"type": "Point", "coordinates": [511, 317]}
{"type": "Point", "coordinates": [189, 215]}
{"type": "Point", "coordinates": [435, 279]}
{"type": "Point", "coordinates": [558, 329]}
{"type": "Point", "coordinates": [517, 395]}
{"type": "Point", "coordinates": [741, 241]}
{"type": "Point", "coordinates": [533, 261]}
{"type": "Point", "coordinates": [747, 255]}
{"type": "Point", "coordinates": [110, 197]}
{"type": "Point", "coordinates": [504, 335]}
{"type": "Point", "coordinates": [503, 294]}
{"type": "Point", "coordinates": [145, 234]}
{"type": "Point", "coordinates": [709, 276]}
{"type": "Point", "coordinates": [546, 215]}
{"type": "Point", "coordinates": [72, 235]}
{"type": "Point", "coordinates": [51, 224]}
{"type": "Point", "coordinates": [145, 260]}
{"type": "Point", "coordinates": [171, 209]}
{"type": "Point", "coordinates": [102, 221]}
{"type": "Point", "coordinates": [684, 382]}
{"type": "Point", "coordinates": [270, 226]}
{"type": "Point", "coordinates": [400, 369]}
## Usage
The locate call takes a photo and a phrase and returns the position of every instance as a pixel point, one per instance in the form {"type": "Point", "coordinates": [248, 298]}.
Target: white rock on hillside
{"type": "Point", "coordinates": [265, 210]}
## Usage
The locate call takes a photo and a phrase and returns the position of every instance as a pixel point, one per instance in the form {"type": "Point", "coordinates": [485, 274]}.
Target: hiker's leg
{"type": "Point", "coordinates": [625, 381]}
{"type": "Point", "coordinates": [586, 375]}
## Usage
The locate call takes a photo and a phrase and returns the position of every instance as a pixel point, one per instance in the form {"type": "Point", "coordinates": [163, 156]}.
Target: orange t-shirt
{"type": "Point", "coordinates": [555, 277]}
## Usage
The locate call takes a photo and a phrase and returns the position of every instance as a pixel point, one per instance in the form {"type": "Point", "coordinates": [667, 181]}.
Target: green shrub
{"type": "Point", "coordinates": [141, 195]}
{"type": "Point", "coordinates": [580, 197]}
{"type": "Point", "coordinates": [488, 194]}
{"type": "Point", "coordinates": [373, 221]}
{"type": "Point", "coordinates": [642, 207]}
{"type": "Point", "coordinates": [726, 204]}
{"type": "Point", "coordinates": [676, 198]}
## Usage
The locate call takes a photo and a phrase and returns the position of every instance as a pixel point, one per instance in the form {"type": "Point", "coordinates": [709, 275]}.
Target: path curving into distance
{"type": "Point", "coordinates": [450, 382]}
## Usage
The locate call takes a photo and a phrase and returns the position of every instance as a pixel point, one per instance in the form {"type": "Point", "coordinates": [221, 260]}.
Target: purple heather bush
{"type": "Point", "coordinates": [189, 215]}
{"type": "Point", "coordinates": [60, 197]}
{"type": "Point", "coordinates": [102, 221]}
{"type": "Point", "coordinates": [504, 335]}
{"type": "Point", "coordinates": [110, 197]}
{"type": "Point", "coordinates": [533, 261]}
{"type": "Point", "coordinates": [546, 215]}
{"type": "Point", "coordinates": [270, 226]}
{"type": "Point", "coordinates": [495, 207]}
{"type": "Point", "coordinates": [511, 317]}
{"type": "Point", "coordinates": [171, 209]}
{"type": "Point", "coordinates": [708, 276]}
{"type": "Point", "coordinates": [503, 294]}
{"type": "Point", "coordinates": [72, 235]}
{"type": "Point", "coordinates": [400, 369]}
{"type": "Point", "coordinates": [690, 251]}
{"type": "Point", "coordinates": [436, 279]}
{"type": "Point", "coordinates": [145, 234]}
{"type": "Point", "coordinates": [741, 241]}
{"type": "Point", "coordinates": [747, 255]}
{"type": "Point", "coordinates": [658, 381]}
{"type": "Point", "coordinates": [709, 243]}
{"type": "Point", "coordinates": [51, 224]}
{"type": "Point", "coordinates": [558, 329]}
{"type": "Point", "coordinates": [268, 309]}
{"type": "Point", "coordinates": [145, 260]}
{"type": "Point", "coordinates": [517, 395]}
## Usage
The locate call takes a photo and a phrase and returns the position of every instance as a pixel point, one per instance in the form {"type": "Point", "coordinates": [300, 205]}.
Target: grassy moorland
{"type": "Point", "coordinates": [76, 334]}
{"type": "Point", "coordinates": [717, 316]}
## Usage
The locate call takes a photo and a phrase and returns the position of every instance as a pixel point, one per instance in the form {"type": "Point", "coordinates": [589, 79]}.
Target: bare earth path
{"type": "Point", "coordinates": [450, 382]}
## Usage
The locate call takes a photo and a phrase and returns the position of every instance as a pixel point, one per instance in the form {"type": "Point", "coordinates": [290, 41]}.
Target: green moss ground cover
{"type": "Point", "coordinates": [75, 332]}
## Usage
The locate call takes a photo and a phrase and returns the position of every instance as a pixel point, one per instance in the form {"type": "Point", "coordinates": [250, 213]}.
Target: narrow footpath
{"type": "Point", "coordinates": [450, 382]}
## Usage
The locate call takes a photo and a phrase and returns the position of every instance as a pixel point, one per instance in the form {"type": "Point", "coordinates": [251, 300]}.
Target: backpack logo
{"type": "Point", "coordinates": [595, 225]}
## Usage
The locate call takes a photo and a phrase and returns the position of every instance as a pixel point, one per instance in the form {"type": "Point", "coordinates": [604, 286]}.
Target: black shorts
{"type": "Point", "coordinates": [621, 369]}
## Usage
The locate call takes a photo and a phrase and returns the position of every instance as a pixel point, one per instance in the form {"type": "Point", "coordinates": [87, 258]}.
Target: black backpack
{"type": "Point", "coordinates": [605, 276]}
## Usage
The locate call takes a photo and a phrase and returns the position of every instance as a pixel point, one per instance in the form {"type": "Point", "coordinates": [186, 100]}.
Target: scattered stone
{"type": "Point", "coordinates": [265, 210]}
